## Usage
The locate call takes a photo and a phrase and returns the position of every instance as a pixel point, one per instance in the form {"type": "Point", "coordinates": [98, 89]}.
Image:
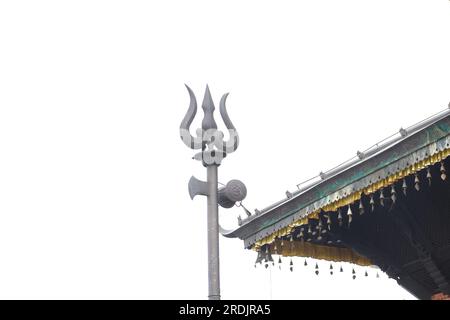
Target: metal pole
{"type": "Point", "coordinates": [213, 235]}
{"type": "Point", "coordinates": [213, 151]}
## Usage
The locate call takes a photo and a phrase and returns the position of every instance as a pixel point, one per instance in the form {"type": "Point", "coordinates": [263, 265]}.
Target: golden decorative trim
{"type": "Point", "coordinates": [306, 249]}
{"type": "Point", "coordinates": [420, 165]}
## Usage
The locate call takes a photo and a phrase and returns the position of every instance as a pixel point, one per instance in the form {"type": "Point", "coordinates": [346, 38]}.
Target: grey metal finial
{"type": "Point", "coordinates": [403, 132]}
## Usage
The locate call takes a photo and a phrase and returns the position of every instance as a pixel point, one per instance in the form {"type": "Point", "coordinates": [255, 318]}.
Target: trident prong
{"type": "Point", "coordinates": [186, 137]}
{"type": "Point", "coordinates": [208, 122]}
{"type": "Point", "coordinates": [232, 144]}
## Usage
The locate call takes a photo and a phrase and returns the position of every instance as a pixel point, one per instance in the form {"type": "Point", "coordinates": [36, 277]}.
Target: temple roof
{"type": "Point", "coordinates": [388, 206]}
{"type": "Point", "coordinates": [415, 147]}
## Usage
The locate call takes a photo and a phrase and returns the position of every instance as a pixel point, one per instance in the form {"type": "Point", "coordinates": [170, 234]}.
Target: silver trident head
{"type": "Point", "coordinates": [208, 138]}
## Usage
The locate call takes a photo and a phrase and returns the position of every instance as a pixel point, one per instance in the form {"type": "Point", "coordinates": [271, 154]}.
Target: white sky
{"type": "Point", "coordinates": [93, 174]}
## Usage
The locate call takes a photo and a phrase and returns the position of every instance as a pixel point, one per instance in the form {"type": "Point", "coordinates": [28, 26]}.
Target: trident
{"type": "Point", "coordinates": [213, 150]}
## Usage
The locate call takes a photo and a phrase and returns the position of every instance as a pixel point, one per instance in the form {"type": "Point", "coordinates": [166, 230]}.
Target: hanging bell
{"type": "Point", "coordinates": [393, 194]}
{"type": "Point", "coordinates": [372, 203]}
{"type": "Point", "coordinates": [329, 222]}
{"type": "Point", "coordinates": [349, 214]}
{"type": "Point", "coordinates": [259, 258]}
{"type": "Point", "coordinates": [301, 235]}
{"type": "Point", "coordinates": [341, 269]}
{"type": "Point", "coordinates": [282, 243]}
{"type": "Point", "coordinates": [339, 217]}
{"type": "Point", "coordinates": [443, 171]}
{"type": "Point", "coordinates": [366, 274]}
{"type": "Point", "coordinates": [266, 265]}
{"type": "Point", "coordinates": [361, 207]}
{"type": "Point", "coordinates": [417, 182]}
{"type": "Point", "coordinates": [305, 263]}
{"type": "Point", "coordinates": [309, 229]}
{"type": "Point", "coordinates": [378, 275]}
{"type": "Point", "coordinates": [275, 248]}
{"type": "Point", "coordinates": [404, 186]}
{"type": "Point", "coordinates": [429, 176]}
{"type": "Point", "coordinates": [319, 228]}
{"type": "Point", "coordinates": [381, 197]}
{"type": "Point", "coordinates": [269, 259]}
